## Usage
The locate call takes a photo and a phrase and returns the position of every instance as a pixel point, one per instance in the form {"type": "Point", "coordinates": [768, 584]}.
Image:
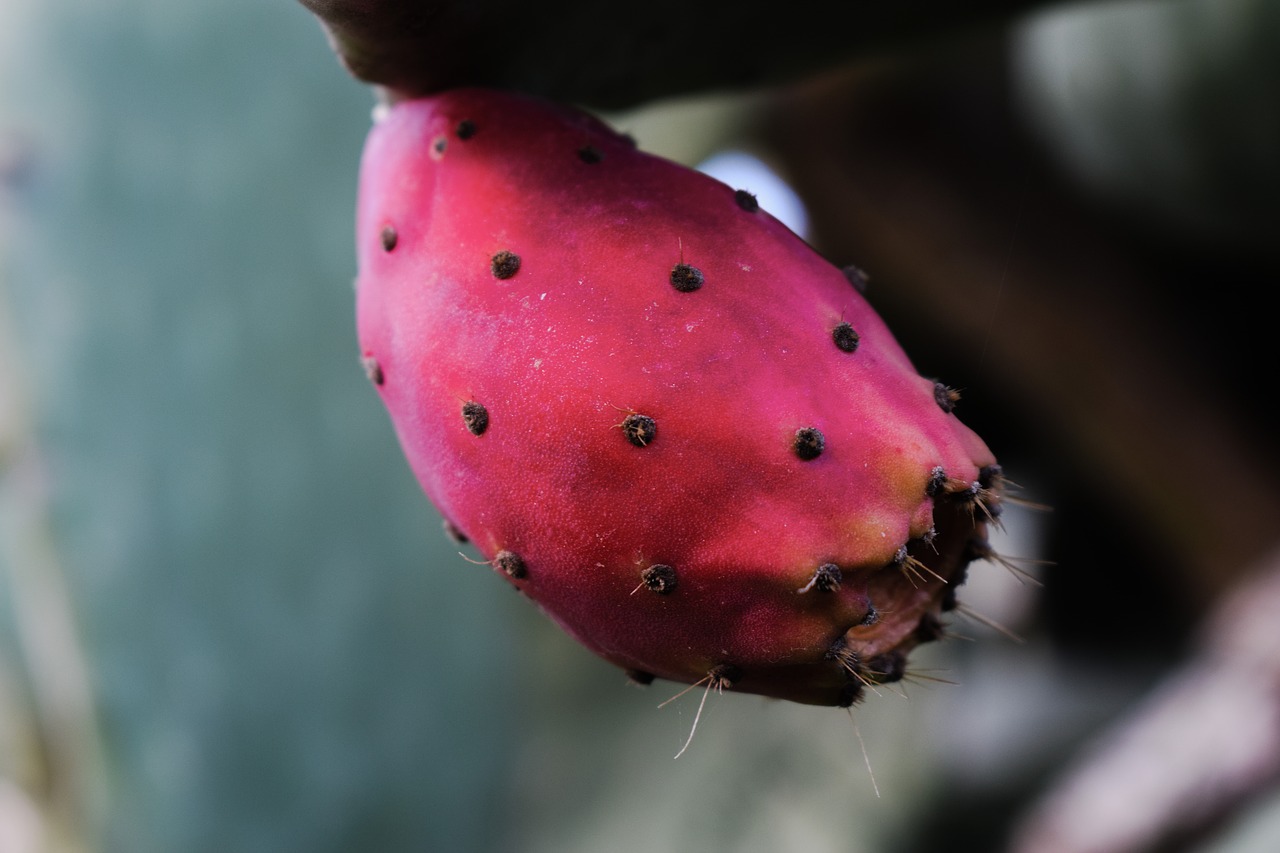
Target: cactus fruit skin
{"type": "Point", "coordinates": [655, 410]}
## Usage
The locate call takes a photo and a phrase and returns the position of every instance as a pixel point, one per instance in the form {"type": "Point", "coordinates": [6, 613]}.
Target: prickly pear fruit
{"type": "Point", "coordinates": [654, 409]}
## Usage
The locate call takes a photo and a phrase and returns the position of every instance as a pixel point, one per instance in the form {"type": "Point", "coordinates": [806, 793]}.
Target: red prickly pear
{"type": "Point", "coordinates": [658, 412]}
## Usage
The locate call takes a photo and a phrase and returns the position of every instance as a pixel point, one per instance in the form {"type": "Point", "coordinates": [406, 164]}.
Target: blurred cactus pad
{"type": "Point", "coordinates": [276, 658]}
{"type": "Point", "coordinates": [612, 56]}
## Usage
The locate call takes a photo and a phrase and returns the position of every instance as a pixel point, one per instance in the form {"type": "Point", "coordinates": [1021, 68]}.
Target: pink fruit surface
{"type": "Point", "coordinates": [655, 410]}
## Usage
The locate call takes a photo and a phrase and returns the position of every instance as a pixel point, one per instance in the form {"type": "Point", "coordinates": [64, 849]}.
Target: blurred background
{"type": "Point", "coordinates": [230, 621]}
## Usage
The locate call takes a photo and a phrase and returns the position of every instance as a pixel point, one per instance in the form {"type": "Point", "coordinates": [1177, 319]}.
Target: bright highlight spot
{"type": "Point", "coordinates": [743, 171]}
